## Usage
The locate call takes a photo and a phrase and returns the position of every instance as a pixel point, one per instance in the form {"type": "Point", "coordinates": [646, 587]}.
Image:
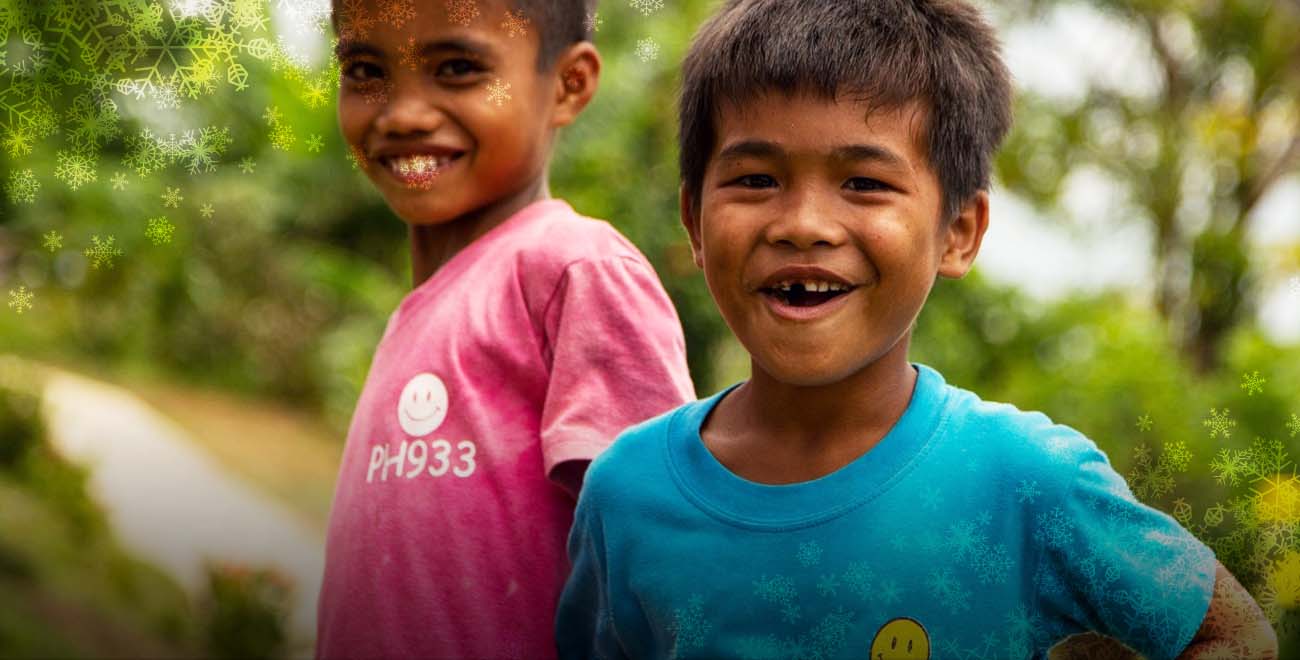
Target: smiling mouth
{"type": "Point", "coordinates": [418, 170]}
{"type": "Point", "coordinates": [806, 293]}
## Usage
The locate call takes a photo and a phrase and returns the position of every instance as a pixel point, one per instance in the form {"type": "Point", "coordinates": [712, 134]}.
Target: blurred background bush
{"type": "Point", "coordinates": [180, 218]}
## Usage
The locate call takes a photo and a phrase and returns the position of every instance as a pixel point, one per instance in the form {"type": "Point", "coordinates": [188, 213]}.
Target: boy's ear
{"type": "Point", "coordinates": [577, 75]}
{"type": "Point", "coordinates": [963, 236]}
{"type": "Point", "coordinates": [691, 221]}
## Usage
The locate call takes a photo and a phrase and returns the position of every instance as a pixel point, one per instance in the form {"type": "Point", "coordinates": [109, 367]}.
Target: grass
{"type": "Point", "coordinates": [69, 591]}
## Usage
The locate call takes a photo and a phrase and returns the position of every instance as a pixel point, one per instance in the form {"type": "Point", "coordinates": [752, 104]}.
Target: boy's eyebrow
{"type": "Point", "coordinates": [851, 152]}
{"type": "Point", "coordinates": [352, 47]}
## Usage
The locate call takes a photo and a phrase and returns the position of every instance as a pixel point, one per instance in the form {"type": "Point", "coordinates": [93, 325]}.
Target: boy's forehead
{"type": "Point", "coordinates": [385, 20]}
{"type": "Point", "coordinates": [799, 121]}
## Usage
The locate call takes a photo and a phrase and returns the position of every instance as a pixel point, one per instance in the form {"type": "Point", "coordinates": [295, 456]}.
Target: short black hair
{"type": "Point", "coordinates": [888, 52]}
{"type": "Point", "coordinates": [561, 23]}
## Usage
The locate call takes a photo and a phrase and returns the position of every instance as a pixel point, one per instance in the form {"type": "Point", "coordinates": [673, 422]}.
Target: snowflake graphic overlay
{"type": "Point", "coordinates": [1144, 423]}
{"type": "Point", "coordinates": [593, 21]}
{"type": "Point", "coordinates": [20, 300]}
{"type": "Point", "coordinates": [22, 187]}
{"type": "Point", "coordinates": [462, 12]}
{"type": "Point", "coordinates": [498, 92]}
{"type": "Point", "coordinates": [1252, 383]}
{"type": "Point", "coordinates": [515, 25]}
{"type": "Point", "coordinates": [75, 168]}
{"type": "Point", "coordinates": [53, 240]}
{"type": "Point", "coordinates": [1294, 425]}
{"type": "Point", "coordinates": [172, 198]}
{"type": "Point", "coordinates": [159, 231]}
{"type": "Point", "coordinates": [647, 50]}
{"type": "Point", "coordinates": [103, 252]}
{"type": "Point", "coordinates": [1028, 491]}
{"type": "Point", "coordinates": [1219, 422]}
{"type": "Point", "coordinates": [647, 7]}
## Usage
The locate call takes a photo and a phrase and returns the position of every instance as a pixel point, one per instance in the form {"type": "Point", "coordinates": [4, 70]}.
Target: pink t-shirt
{"type": "Point", "coordinates": [534, 345]}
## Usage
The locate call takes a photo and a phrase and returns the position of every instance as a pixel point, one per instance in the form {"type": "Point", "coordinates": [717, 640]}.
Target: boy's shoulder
{"type": "Point", "coordinates": [1023, 441]}
{"type": "Point", "coordinates": [559, 236]}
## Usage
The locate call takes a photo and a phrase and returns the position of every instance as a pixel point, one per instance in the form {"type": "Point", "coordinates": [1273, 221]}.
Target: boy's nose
{"type": "Point", "coordinates": [406, 113]}
{"type": "Point", "coordinates": [806, 222]}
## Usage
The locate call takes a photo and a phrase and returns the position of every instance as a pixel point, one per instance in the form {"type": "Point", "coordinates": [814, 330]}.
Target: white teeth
{"type": "Point", "coordinates": [418, 165]}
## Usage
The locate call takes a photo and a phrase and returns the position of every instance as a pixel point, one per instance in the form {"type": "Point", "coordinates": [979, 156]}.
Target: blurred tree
{"type": "Point", "coordinates": [1194, 156]}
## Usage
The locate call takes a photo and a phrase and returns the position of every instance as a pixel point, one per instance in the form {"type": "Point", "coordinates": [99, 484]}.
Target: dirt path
{"type": "Point", "coordinates": [170, 503]}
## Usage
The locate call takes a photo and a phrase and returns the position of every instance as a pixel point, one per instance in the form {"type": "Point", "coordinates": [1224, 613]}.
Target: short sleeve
{"type": "Point", "coordinates": [1113, 565]}
{"type": "Point", "coordinates": [616, 354]}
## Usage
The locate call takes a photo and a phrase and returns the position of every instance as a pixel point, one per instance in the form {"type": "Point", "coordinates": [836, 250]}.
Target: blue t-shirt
{"type": "Point", "coordinates": [972, 530]}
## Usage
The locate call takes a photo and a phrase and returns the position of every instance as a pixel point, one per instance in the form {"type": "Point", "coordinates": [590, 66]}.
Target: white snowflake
{"type": "Point", "coordinates": [22, 187]}
{"type": "Point", "coordinates": [1219, 422]}
{"type": "Point", "coordinates": [647, 49]}
{"type": "Point", "coordinates": [857, 578]}
{"type": "Point", "coordinates": [166, 97]}
{"type": "Point", "coordinates": [119, 181]}
{"type": "Point", "coordinates": [931, 498]}
{"type": "Point", "coordinates": [515, 25]}
{"type": "Point", "coordinates": [1028, 491]}
{"type": "Point", "coordinates": [1295, 284]}
{"type": "Point", "coordinates": [1229, 466]}
{"type": "Point", "coordinates": [963, 540]}
{"type": "Point", "coordinates": [809, 554]}
{"type": "Point", "coordinates": [103, 252]}
{"type": "Point", "coordinates": [1144, 423]}
{"type": "Point", "coordinates": [1054, 528]}
{"type": "Point", "coordinates": [993, 564]}
{"type": "Point", "coordinates": [172, 198]}
{"type": "Point", "coordinates": [593, 22]}
{"type": "Point", "coordinates": [20, 300]}
{"type": "Point", "coordinates": [1294, 425]}
{"type": "Point", "coordinates": [647, 7]}
{"type": "Point", "coordinates": [888, 593]}
{"type": "Point", "coordinates": [945, 589]}
{"type": "Point", "coordinates": [53, 241]}
{"type": "Point", "coordinates": [689, 627]}
{"type": "Point", "coordinates": [462, 12]}
{"type": "Point", "coordinates": [498, 92]}
{"type": "Point", "coordinates": [159, 230]}
{"type": "Point", "coordinates": [1252, 383]}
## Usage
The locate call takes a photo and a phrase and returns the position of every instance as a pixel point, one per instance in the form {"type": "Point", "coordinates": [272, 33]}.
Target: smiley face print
{"type": "Point", "coordinates": [423, 405]}
{"type": "Point", "coordinates": [901, 638]}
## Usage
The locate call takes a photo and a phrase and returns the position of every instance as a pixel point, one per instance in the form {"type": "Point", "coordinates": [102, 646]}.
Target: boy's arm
{"type": "Point", "coordinates": [1234, 627]}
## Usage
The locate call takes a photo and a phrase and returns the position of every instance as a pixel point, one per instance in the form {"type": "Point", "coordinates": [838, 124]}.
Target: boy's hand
{"type": "Point", "coordinates": [1234, 627]}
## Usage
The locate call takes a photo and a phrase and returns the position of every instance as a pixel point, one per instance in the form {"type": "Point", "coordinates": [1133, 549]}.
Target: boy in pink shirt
{"type": "Point", "coordinates": [532, 337]}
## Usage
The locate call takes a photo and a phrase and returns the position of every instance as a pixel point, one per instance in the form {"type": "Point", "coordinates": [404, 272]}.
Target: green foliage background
{"type": "Point", "coordinates": [283, 292]}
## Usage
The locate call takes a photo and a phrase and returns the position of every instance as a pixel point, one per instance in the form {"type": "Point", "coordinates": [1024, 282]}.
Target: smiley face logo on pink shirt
{"type": "Point", "coordinates": [423, 405]}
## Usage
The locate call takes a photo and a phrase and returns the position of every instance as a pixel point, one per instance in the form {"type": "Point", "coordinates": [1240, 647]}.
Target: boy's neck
{"type": "Point", "coordinates": [432, 246]}
{"type": "Point", "coordinates": [774, 432]}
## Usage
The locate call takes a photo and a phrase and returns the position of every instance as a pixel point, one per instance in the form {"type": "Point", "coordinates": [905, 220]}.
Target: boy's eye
{"type": "Point", "coordinates": [864, 184]}
{"type": "Point", "coordinates": [458, 67]}
{"type": "Point", "coordinates": [756, 181]}
{"type": "Point", "coordinates": [361, 71]}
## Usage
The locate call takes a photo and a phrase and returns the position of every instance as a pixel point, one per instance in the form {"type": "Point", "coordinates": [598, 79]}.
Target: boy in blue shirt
{"type": "Point", "coordinates": [835, 159]}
